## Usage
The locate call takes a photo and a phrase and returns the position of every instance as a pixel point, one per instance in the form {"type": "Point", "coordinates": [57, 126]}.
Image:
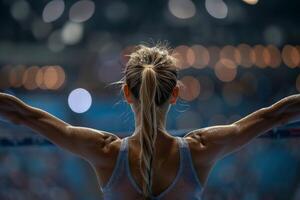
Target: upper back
{"type": "Point", "coordinates": [174, 173]}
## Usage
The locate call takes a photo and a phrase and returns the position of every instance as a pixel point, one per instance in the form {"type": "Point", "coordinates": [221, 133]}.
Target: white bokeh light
{"type": "Point", "coordinates": [216, 8]}
{"type": "Point", "coordinates": [80, 100]}
{"type": "Point", "coordinates": [53, 10]}
{"type": "Point", "coordinates": [182, 9]}
{"type": "Point", "coordinates": [72, 33]}
{"type": "Point", "coordinates": [82, 11]}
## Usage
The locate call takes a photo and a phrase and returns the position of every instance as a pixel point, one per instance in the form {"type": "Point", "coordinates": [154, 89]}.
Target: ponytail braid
{"type": "Point", "coordinates": [148, 126]}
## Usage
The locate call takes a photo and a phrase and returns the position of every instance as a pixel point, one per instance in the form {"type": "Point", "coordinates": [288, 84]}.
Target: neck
{"type": "Point", "coordinates": [161, 127]}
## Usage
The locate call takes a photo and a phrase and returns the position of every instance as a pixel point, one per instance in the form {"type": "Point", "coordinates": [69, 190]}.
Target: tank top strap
{"type": "Point", "coordinates": [118, 166]}
{"type": "Point", "coordinates": [184, 149]}
{"type": "Point", "coordinates": [188, 160]}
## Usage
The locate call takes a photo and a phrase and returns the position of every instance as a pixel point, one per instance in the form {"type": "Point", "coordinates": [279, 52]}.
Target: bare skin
{"type": "Point", "coordinates": [101, 148]}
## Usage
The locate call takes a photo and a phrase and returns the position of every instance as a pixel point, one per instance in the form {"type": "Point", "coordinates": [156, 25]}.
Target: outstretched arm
{"type": "Point", "coordinates": [88, 143]}
{"type": "Point", "coordinates": [217, 141]}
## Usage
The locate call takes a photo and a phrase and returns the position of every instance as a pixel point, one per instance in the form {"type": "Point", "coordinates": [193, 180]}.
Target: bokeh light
{"type": "Point", "coordinates": [201, 56]}
{"type": "Point", "coordinates": [261, 56]}
{"type": "Point", "coordinates": [80, 100]}
{"type": "Point", "coordinates": [251, 2]}
{"type": "Point", "coordinates": [81, 11]}
{"type": "Point", "coordinates": [230, 53]}
{"type": "Point", "coordinates": [290, 56]}
{"type": "Point", "coordinates": [53, 10]}
{"type": "Point", "coordinates": [267, 56]}
{"type": "Point", "coordinates": [275, 57]}
{"type": "Point", "coordinates": [39, 78]}
{"type": "Point", "coordinates": [247, 55]}
{"type": "Point", "coordinates": [72, 33]}
{"type": "Point", "coordinates": [225, 70]}
{"type": "Point", "coordinates": [50, 77]}
{"type": "Point", "coordinates": [216, 8]}
{"type": "Point", "coordinates": [190, 89]}
{"type": "Point", "coordinates": [29, 78]}
{"type": "Point", "coordinates": [181, 54]}
{"type": "Point", "coordinates": [182, 9]}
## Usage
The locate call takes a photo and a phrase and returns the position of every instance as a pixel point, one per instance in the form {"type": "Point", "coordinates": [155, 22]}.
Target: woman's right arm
{"type": "Point", "coordinates": [88, 143]}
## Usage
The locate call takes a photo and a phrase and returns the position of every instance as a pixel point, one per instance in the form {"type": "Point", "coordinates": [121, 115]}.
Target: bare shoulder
{"type": "Point", "coordinates": [206, 143]}
{"type": "Point", "coordinates": [196, 145]}
{"type": "Point", "coordinates": [106, 149]}
{"type": "Point", "coordinates": [112, 143]}
{"type": "Point", "coordinates": [195, 139]}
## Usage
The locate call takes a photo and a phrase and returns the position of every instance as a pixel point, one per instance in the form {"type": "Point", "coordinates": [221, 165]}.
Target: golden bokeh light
{"type": "Point", "coordinates": [247, 55]}
{"type": "Point", "coordinates": [225, 70]}
{"type": "Point", "coordinates": [183, 53]}
{"type": "Point", "coordinates": [61, 77]}
{"type": "Point", "coordinates": [275, 57]}
{"type": "Point", "coordinates": [262, 55]}
{"type": "Point", "coordinates": [190, 57]}
{"type": "Point", "coordinates": [201, 56]}
{"type": "Point", "coordinates": [50, 77]}
{"type": "Point", "coordinates": [190, 88]}
{"type": "Point", "coordinates": [29, 78]}
{"type": "Point", "coordinates": [39, 78]}
{"type": "Point", "coordinates": [290, 56]}
{"type": "Point", "coordinates": [230, 53]}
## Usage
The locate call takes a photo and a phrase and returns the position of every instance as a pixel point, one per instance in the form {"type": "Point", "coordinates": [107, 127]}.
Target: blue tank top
{"type": "Point", "coordinates": [122, 185]}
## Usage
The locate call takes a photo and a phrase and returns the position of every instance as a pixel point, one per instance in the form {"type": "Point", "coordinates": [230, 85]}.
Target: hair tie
{"type": "Point", "coordinates": [148, 66]}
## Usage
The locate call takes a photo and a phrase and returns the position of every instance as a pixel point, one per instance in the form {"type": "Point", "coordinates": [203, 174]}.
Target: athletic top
{"type": "Point", "coordinates": [122, 185]}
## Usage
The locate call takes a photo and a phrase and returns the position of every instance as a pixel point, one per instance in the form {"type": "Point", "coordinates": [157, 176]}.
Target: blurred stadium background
{"type": "Point", "coordinates": [236, 57]}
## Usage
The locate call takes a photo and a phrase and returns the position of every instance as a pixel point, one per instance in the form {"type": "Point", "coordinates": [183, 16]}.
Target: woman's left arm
{"type": "Point", "coordinates": [218, 141]}
{"type": "Point", "coordinates": [88, 143]}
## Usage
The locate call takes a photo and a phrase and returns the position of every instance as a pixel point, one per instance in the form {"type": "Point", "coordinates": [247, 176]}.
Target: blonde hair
{"type": "Point", "coordinates": [151, 75]}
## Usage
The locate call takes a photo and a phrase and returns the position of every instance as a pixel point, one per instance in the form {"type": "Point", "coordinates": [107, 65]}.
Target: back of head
{"type": "Point", "coordinates": [151, 76]}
